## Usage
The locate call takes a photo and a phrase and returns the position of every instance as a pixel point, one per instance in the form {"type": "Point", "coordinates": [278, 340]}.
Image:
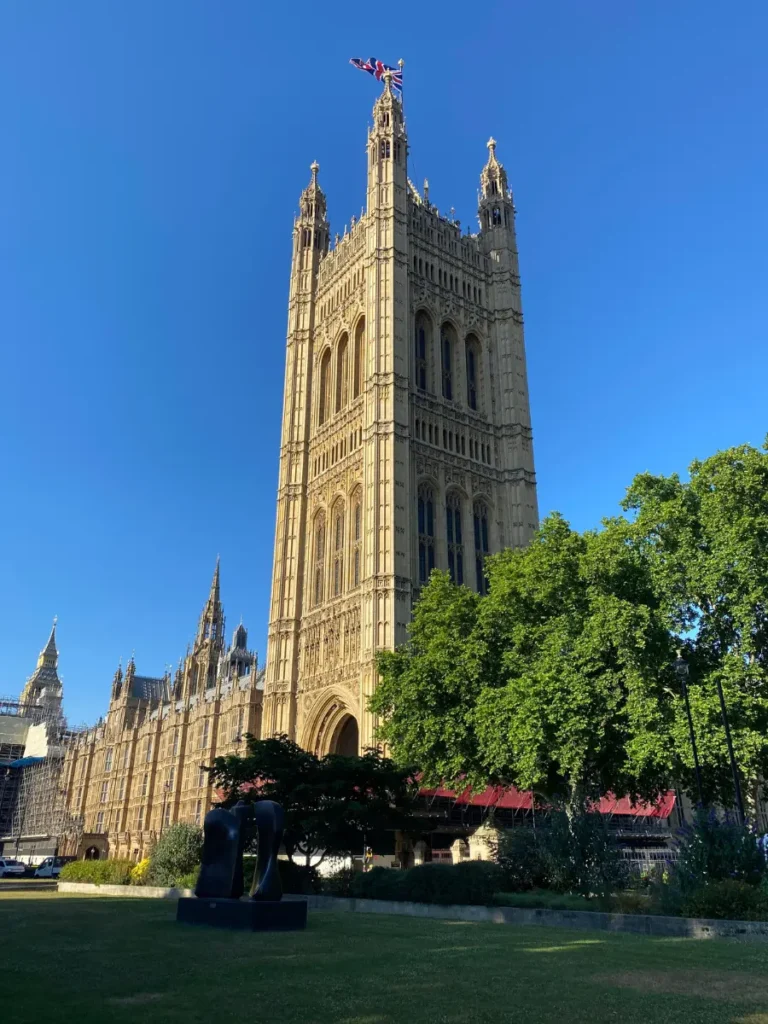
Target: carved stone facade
{"type": "Point", "coordinates": [141, 768]}
{"type": "Point", "coordinates": [406, 441]}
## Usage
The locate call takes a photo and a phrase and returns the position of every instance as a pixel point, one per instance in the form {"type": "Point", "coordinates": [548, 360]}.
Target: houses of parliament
{"type": "Point", "coordinates": [406, 446]}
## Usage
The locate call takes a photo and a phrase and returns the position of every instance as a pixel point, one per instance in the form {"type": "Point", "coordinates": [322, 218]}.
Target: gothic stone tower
{"type": "Point", "coordinates": [406, 441]}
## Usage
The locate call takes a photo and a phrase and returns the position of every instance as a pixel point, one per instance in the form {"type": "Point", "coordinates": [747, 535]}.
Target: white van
{"type": "Point", "coordinates": [51, 866]}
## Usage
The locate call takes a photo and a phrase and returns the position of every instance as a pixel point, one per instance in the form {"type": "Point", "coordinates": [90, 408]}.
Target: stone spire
{"type": "Point", "coordinates": [495, 208]}
{"type": "Point", "coordinates": [311, 225]}
{"type": "Point", "coordinates": [387, 149]}
{"type": "Point", "coordinates": [493, 179]}
{"type": "Point", "coordinates": [117, 682]}
{"type": "Point", "coordinates": [49, 656]}
{"type": "Point", "coordinates": [211, 626]}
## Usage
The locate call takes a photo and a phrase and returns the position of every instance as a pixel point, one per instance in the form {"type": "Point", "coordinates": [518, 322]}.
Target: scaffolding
{"type": "Point", "coordinates": [33, 807]}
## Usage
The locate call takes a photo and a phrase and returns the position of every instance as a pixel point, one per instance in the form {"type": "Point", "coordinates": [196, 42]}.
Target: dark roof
{"type": "Point", "coordinates": [149, 688]}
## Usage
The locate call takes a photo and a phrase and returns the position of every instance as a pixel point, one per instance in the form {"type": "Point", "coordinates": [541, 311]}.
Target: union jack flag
{"type": "Point", "coordinates": [376, 68]}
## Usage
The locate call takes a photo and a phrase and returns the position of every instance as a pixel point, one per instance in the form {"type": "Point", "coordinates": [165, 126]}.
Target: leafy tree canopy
{"type": "Point", "coordinates": [551, 682]}
{"type": "Point", "coordinates": [560, 679]}
{"type": "Point", "coordinates": [332, 804]}
{"type": "Point", "coordinates": [706, 544]}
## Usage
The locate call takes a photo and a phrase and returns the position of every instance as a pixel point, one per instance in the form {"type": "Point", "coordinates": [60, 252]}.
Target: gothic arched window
{"type": "Point", "coordinates": [357, 538]}
{"type": "Point", "coordinates": [318, 560]}
{"type": "Point", "coordinates": [325, 383]}
{"type": "Point", "coordinates": [446, 360]}
{"type": "Point", "coordinates": [454, 538]}
{"type": "Point", "coordinates": [342, 358]}
{"type": "Point", "coordinates": [357, 370]}
{"type": "Point", "coordinates": [421, 345]}
{"type": "Point", "coordinates": [426, 523]}
{"type": "Point", "coordinates": [338, 549]}
{"type": "Point", "coordinates": [473, 371]}
{"type": "Point", "coordinates": [481, 544]}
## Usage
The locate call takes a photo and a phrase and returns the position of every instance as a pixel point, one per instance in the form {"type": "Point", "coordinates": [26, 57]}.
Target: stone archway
{"type": "Point", "coordinates": [346, 737]}
{"type": "Point", "coordinates": [333, 729]}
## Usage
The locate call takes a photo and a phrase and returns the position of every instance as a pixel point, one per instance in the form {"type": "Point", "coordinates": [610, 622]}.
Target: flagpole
{"type": "Point", "coordinates": [401, 65]}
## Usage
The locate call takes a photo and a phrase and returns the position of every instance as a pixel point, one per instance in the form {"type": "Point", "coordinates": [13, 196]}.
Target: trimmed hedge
{"type": "Point", "coordinates": [99, 872]}
{"type": "Point", "coordinates": [473, 882]}
{"type": "Point", "coordinates": [731, 899]}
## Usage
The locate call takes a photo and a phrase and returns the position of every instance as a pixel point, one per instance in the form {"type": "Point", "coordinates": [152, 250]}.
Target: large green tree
{"type": "Point", "coordinates": [333, 805]}
{"type": "Point", "coordinates": [705, 541]}
{"type": "Point", "coordinates": [557, 681]}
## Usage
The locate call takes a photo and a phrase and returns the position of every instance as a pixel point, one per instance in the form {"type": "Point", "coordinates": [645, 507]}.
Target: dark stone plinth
{"type": "Point", "coordinates": [252, 915]}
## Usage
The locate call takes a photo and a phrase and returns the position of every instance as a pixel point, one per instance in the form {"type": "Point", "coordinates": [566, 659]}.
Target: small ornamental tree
{"type": "Point", "coordinates": [176, 853]}
{"type": "Point", "coordinates": [333, 805]}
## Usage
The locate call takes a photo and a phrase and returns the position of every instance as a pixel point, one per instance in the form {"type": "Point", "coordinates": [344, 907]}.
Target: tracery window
{"type": "Point", "coordinates": [446, 360]}
{"type": "Point", "coordinates": [338, 550]}
{"type": "Point", "coordinates": [454, 538]}
{"type": "Point", "coordinates": [421, 347]}
{"type": "Point", "coordinates": [481, 544]}
{"type": "Point", "coordinates": [318, 561]}
{"type": "Point", "coordinates": [357, 384]}
{"type": "Point", "coordinates": [357, 538]}
{"type": "Point", "coordinates": [472, 351]}
{"type": "Point", "coordinates": [342, 372]}
{"type": "Point", "coordinates": [325, 374]}
{"type": "Point", "coordinates": [426, 524]}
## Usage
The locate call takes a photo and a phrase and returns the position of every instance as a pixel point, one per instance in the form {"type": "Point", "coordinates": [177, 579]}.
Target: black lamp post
{"type": "Point", "coordinates": [731, 755]}
{"type": "Point", "coordinates": [680, 666]}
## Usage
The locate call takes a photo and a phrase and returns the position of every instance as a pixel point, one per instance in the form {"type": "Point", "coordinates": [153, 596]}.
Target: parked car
{"type": "Point", "coordinates": [51, 866]}
{"type": "Point", "coordinates": [10, 867]}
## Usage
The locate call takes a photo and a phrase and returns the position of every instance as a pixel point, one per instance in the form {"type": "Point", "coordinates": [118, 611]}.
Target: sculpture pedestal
{"type": "Point", "coordinates": [252, 915]}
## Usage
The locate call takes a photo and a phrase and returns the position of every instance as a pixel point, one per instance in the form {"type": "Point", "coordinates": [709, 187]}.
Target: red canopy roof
{"type": "Point", "coordinates": [514, 800]}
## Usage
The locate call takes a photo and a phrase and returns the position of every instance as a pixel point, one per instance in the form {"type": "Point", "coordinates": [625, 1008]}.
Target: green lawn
{"type": "Point", "coordinates": [90, 960]}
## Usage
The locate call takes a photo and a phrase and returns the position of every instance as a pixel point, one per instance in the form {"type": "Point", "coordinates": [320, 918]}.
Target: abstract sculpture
{"type": "Point", "coordinates": [220, 883]}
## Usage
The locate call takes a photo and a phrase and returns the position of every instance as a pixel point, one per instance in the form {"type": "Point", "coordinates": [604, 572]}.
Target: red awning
{"type": "Point", "coordinates": [514, 800]}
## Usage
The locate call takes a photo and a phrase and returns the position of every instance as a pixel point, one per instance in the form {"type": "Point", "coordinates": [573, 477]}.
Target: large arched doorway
{"type": "Point", "coordinates": [346, 737]}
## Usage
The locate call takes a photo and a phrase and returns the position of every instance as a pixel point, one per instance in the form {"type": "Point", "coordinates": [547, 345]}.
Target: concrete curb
{"type": "Point", "coordinates": [582, 920]}
{"type": "Point", "coordinates": [127, 891]}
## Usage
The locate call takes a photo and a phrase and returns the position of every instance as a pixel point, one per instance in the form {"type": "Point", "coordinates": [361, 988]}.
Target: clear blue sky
{"type": "Point", "coordinates": [153, 155]}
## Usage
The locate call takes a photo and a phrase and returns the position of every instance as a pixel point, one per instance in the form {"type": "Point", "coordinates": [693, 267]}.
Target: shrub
{"type": "Point", "coordinates": [473, 882]}
{"type": "Point", "coordinates": [340, 882]}
{"type": "Point", "coordinates": [176, 853]}
{"type": "Point", "coordinates": [730, 898]}
{"type": "Point", "coordinates": [99, 872]}
{"type": "Point", "coordinates": [579, 856]}
{"type": "Point", "coordinates": [544, 899]}
{"type": "Point", "coordinates": [299, 879]}
{"type": "Point", "coordinates": [519, 854]}
{"type": "Point", "coordinates": [714, 849]}
{"type": "Point", "coordinates": [188, 881]}
{"type": "Point", "coordinates": [379, 884]}
{"type": "Point", "coordinates": [632, 902]}
{"type": "Point", "coordinates": [139, 872]}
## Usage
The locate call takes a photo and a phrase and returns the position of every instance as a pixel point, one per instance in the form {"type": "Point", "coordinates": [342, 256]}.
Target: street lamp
{"type": "Point", "coordinates": [680, 666]}
{"type": "Point", "coordinates": [731, 755]}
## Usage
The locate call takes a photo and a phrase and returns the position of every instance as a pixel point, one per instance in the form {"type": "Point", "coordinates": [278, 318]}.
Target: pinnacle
{"type": "Point", "coordinates": [215, 580]}
{"type": "Point", "coordinates": [50, 647]}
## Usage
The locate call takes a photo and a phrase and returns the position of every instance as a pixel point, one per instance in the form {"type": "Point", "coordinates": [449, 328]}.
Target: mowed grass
{"type": "Point", "coordinates": [92, 959]}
